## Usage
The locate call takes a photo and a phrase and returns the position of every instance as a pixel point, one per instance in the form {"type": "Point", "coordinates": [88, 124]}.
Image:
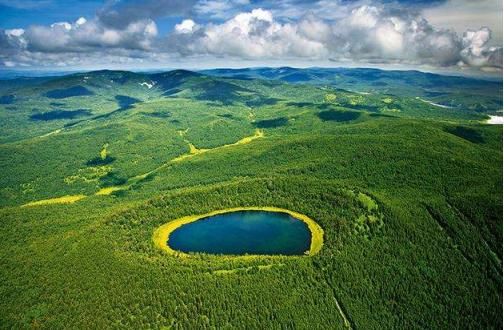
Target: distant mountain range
{"type": "Point", "coordinates": [401, 83]}
{"type": "Point", "coordinates": [222, 84]}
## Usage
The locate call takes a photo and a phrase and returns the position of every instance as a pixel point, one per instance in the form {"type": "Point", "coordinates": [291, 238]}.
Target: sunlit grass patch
{"type": "Point", "coordinates": [103, 159]}
{"type": "Point", "coordinates": [193, 150]}
{"type": "Point", "coordinates": [69, 199]}
{"type": "Point", "coordinates": [103, 152]}
{"type": "Point", "coordinates": [89, 174]}
{"type": "Point", "coordinates": [330, 97]}
{"type": "Point", "coordinates": [258, 134]}
{"type": "Point", "coordinates": [109, 190]}
{"type": "Point", "coordinates": [367, 202]}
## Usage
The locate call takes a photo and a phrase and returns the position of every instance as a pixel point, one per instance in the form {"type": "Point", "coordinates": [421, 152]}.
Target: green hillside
{"type": "Point", "coordinates": [408, 193]}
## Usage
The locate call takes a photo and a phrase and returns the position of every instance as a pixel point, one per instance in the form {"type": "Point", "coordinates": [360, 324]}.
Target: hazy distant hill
{"type": "Point", "coordinates": [460, 92]}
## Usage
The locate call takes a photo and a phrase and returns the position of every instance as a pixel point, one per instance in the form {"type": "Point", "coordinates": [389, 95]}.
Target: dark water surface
{"type": "Point", "coordinates": [243, 232]}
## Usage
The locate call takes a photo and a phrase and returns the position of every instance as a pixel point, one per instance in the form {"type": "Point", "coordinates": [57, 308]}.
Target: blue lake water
{"type": "Point", "coordinates": [243, 232]}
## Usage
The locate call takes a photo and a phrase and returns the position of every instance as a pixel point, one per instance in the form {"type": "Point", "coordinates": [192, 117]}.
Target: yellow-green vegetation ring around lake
{"type": "Point", "coordinates": [161, 235]}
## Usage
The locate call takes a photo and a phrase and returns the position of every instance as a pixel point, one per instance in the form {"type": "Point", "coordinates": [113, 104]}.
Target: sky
{"type": "Point", "coordinates": [429, 35]}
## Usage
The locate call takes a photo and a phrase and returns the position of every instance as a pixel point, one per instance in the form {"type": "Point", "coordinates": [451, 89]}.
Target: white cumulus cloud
{"type": "Point", "coordinates": [345, 33]}
{"type": "Point", "coordinates": [366, 34]}
{"type": "Point", "coordinates": [187, 26]}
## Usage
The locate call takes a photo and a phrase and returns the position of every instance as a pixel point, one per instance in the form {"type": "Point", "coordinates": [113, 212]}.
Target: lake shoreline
{"type": "Point", "coordinates": [161, 235]}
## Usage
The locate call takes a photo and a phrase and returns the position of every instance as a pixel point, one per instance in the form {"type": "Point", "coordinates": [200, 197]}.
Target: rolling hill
{"type": "Point", "coordinates": [399, 169]}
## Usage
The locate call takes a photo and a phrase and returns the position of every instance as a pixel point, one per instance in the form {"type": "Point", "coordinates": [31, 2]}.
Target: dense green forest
{"type": "Point", "coordinates": [407, 188]}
